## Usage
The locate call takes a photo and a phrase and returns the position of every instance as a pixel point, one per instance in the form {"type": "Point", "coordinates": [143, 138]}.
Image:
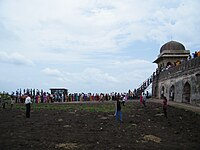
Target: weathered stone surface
{"type": "Point", "coordinates": [152, 138]}
{"type": "Point", "coordinates": [183, 82]}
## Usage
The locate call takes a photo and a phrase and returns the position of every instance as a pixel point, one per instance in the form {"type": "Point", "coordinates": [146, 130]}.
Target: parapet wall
{"type": "Point", "coordinates": [190, 66]}
{"type": "Point", "coordinates": [180, 83]}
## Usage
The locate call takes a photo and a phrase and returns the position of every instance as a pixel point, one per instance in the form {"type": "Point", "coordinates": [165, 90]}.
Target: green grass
{"type": "Point", "coordinates": [89, 107]}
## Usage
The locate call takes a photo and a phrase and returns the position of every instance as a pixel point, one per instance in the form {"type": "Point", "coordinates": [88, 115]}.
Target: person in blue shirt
{"type": "Point", "coordinates": [118, 111]}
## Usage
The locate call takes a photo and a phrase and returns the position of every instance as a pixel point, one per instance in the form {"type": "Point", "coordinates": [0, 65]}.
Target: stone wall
{"type": "Point", "coordinates": [180, 83]}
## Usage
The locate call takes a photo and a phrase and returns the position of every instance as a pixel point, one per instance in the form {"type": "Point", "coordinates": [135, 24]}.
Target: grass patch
{"type": "Point", "coordinates": [89, 107]}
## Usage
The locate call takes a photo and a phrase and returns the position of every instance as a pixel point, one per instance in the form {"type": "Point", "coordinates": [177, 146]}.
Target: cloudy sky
{"type": "Point", "coordinates": [89, 45]}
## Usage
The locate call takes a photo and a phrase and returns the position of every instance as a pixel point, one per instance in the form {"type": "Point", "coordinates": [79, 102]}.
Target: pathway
{"type": "Point", "coordinates": [179, 105]}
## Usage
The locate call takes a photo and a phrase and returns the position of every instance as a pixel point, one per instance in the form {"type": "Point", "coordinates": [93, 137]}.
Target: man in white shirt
{"type": "Point", "coordinates": [28, 106]}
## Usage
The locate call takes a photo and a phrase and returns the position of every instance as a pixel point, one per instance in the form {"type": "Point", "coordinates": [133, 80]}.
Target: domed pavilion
{"type": "Point", "coordinates": [171, 53]}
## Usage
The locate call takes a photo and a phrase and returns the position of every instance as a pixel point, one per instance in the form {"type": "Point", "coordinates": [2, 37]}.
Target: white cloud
{"type": "Point", "coordinates": [87, 75]}
{"type": "Point", "coordinates": [115, 75]}
{"type": "Point", "coordinates": [97, 75]}
{"type": "Point", "coordinates": [52, 72]}
{"type": "Point", "coordinates": [60, 25]}
{"type": "Point", "coordinates": [176, 23]}
{"type": "Point", "coordinates": [135, 71]}
{"type": "Point", "coordinates": [15, 58]}
{"type": "Point", "coordinates": [94, 40]}
{"type": "Point", "coordinates": [104, 26]}
{"type": "Point", "coordinates": [56, 74]}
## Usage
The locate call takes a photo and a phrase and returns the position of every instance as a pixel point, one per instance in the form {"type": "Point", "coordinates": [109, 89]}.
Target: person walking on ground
{"type": "Point", "coordinates": [28, 106]}
{"type": "Point", "coordinates": [118, 111]}
{"type": "Point", "coordinates": [141, 99]}
{"type": "Point", "coordinates": [165, 106]}
{"type": "Point", "coordinates": [123, 100]}
{"type": "Point", "coordinates": [144, 100]}
{"type": "Point", "coordinates": [11, 102]}
{"type": "Point", "coordinates": [115, 109]}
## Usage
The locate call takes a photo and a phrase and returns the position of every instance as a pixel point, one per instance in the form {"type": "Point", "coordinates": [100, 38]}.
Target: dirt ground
{"type": "Point", "coordinates": [142, 128]}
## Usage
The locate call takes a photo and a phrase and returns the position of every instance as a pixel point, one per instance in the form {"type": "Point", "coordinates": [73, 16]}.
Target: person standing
{"type": "Point", "coordinates": [28, 106]}
{"type": "Point", "coordinates": [123, 100]}
{"type": "Point", "coordinates": [11, 102]}
{"type": "Point", "coordinates": [118, 111]}
{"type": "Point", "coordinates": [144, 99]}
{"type": "Point", "coordinates": [141, 99]}
{"type": "Point", "coordinates": [165, 106]}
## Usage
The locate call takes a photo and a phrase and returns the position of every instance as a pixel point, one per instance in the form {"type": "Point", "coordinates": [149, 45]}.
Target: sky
{"type": "Point", "coordinates": [90, 45]}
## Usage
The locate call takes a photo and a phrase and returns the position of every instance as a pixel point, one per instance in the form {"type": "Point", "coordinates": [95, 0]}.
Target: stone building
{"type": "Point", "coordinates": [177, 76]}
{"type": "Point", "coordinates": [171, 54]}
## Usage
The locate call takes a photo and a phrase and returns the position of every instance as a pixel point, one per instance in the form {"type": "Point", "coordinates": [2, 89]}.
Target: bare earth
{"type": "Point", "coordinates": [142, 128]}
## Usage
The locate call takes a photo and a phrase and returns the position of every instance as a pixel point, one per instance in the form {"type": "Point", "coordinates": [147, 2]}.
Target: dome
{"type": "Point", "coordinates": [172, 45]}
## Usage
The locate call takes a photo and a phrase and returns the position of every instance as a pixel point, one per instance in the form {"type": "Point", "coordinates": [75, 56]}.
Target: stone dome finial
{"type": "Point", "coordinates": [172, 45]}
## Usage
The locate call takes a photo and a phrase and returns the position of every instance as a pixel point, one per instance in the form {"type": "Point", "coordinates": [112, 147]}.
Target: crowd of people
{"type": "Point", "coordinates": [196, 54]}
{"type": "Point", "coordinates": [29, 97]}
{"type": "Point", "coordinates": [40, 96]}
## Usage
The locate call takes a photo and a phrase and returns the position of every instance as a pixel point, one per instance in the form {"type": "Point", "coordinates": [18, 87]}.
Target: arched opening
{"type": "Point", "coordinates": [171, 93]}
{"type": "Point", "coordinates": [169, 64]}
{"type": "Point", "coordinates": [162, 92]}
{"type": "Point", "coordinates": [186, 93]}
{"type": "Point", "coordinates": [198, 81]}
